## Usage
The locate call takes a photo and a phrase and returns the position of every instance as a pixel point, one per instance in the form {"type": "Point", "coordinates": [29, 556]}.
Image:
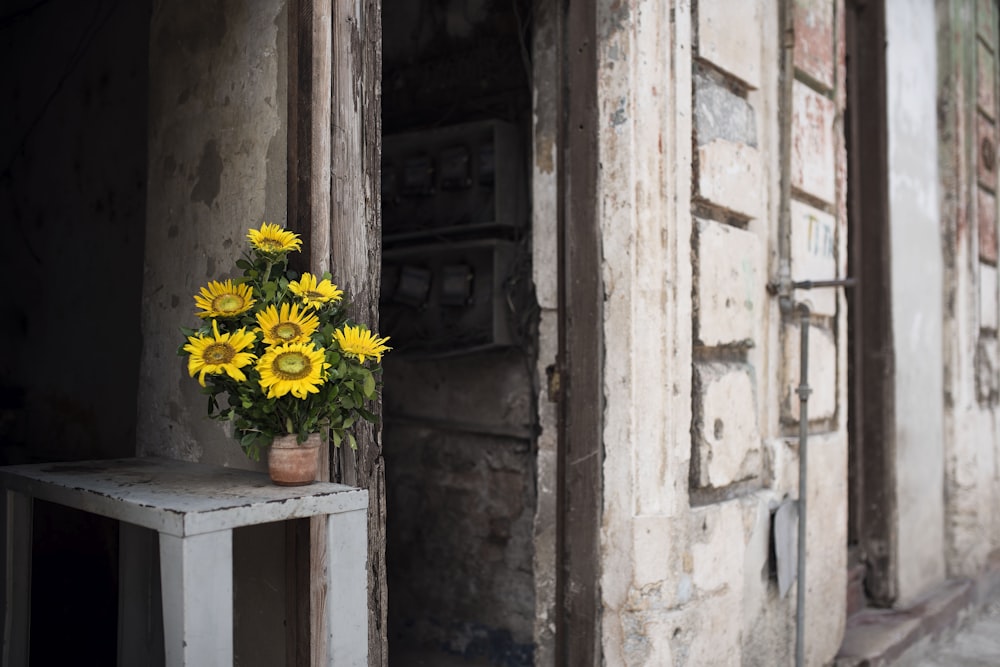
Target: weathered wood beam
{"type": "Point", "coordinates": [356, 257]}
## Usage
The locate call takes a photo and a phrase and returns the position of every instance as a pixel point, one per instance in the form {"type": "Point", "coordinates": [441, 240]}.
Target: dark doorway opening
{"type": "Point", "coordinates": [73, 201]}
{"type": "Point", "coordinates": [460, 398]}
{"type": "Point", "coordinates": [871, 505]}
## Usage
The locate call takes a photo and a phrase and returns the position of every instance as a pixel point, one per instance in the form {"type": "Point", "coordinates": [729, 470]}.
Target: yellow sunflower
{"type": "Point", "coordinates": [360, 343]}
{"type": "Point", "coordinates": [296, 367]}
{"type": "Point", "coordinates": [289, 326]}
{"type": "Point", "coordinates": [219, 353]}
{"type": "Point", "coordinates": [224, 299]}
{"type": "Point", "coordinates": [273, 239]}
{"type": "Point", "coordinates": [315, 293]}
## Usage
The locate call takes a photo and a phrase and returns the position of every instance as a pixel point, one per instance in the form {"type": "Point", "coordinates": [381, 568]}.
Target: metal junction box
{"type": "Point", "coordinates": [454, 211]}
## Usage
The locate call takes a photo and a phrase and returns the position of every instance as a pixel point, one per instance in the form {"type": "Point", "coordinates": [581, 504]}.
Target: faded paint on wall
{"type": "Point", "coordinates": [972, 490]}
{"type": "Point", "coordinates": [217, 165]}
{"type": "Point", "coordinates": [917, 275]}
{"type": "Point", "coordinates": [686, 548]}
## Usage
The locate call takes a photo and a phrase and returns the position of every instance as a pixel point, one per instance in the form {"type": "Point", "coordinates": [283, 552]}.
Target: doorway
{"type": "Point", "coordinates": [871, 504]}
{"type": "Point", "coordinates": [460, 399]}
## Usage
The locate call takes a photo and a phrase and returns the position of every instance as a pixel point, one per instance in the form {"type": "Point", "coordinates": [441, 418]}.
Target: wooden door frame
{"type": "Point", "coordinates": [871, 413]}
{"type": "Point", "coordinates": [581, 346]}
{"type": "Point", "coordinates": [334, 171]}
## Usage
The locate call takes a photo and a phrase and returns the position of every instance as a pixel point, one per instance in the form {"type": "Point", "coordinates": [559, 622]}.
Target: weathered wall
{"type": "Point", "coordinates": [700, 365]}
{"type": "Point", "coordinates": [217, 165]}
{"type": "Point", "coordinates": [461, 502]}
{"type": "Point", "coordinates": [916, 278]}
{"type": "Point", "coordinates": [72, 206]}
{"type": "Point", "coordinates": [967, 67]}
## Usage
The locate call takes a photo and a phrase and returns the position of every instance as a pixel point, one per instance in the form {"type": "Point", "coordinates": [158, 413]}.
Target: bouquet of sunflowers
{"type": "Point", "coordinates": [280, 350]}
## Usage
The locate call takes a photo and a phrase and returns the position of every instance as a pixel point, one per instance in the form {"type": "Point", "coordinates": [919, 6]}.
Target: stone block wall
{"type": "Point", "coordinates": [745, 352]}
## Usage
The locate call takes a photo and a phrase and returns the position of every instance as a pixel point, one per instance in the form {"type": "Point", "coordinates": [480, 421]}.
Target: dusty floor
{"type": "Point", "coordinates": [976, 644]}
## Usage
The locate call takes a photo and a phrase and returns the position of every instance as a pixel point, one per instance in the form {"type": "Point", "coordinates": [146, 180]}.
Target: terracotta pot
{"type": "Point", "coordinates": [292, 464]}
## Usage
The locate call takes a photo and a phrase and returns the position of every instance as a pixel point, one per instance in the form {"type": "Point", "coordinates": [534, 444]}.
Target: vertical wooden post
{"type": "Point", "coordinates": [356, 251]}
{"type": "Point", "coordinates": [580, 345]}
{"type": "Point", "coordinates": [310, 56]}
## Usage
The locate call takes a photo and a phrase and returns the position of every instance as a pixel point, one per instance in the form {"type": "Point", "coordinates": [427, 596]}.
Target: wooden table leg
{"type": "Point", "coordinates": [196, 575]}
{"type": "Point", "coordinates": [15, 515]}
{"type": "Point", "coordinates": [347, 589]}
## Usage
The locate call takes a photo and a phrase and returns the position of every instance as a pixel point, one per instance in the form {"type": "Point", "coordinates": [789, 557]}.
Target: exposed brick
{"type": "Point", "coordinates": [729, 37]}
{"type": "Point", "coordinates": [985, 86]}
{"type": "Point", "coordinates": [987, 296]}
{"type": "Point", "coordinates": [720, 113]}
{"type": "Point", "coordinates": [729, 275]}
{"type": "Point", "coordinates": [813, 167]}
{"type": "Point", "coordinates": [729, 175]}
{"type": "Point", "coordinates": [814, 255]}
{"type": "Point", "coordinates": [987, 213]}
{"type": "Point", "coordinates": [986, 152]}
{"type": "Point", "coordinates": [814, 39]}
{"type": "Point", "coordinates": [822, 374]}
{"type": "Point", "coordinates": [726, 438]}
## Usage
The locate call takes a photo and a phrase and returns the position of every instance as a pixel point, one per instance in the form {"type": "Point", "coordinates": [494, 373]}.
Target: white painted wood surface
{"type": "Point", "coordinates": [194, 508]}
{"type": "Point", "coordinates": [196, 578]}
{"type": "Point", "coordinates": [348, 592]}
{"type": "Point", "coordinates": [177, 497]}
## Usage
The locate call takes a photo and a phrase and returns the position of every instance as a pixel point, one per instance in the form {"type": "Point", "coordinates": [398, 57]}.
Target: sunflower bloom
{"type": "Point", "coordinates": [360, 343]}
{"type": "Point", "coordinates": [219, 353]}
{"type": "Point", "coordinates": [224, 299]}
{"type": "Point", "coordinates": [290, 325]}
{"type": "Point", "coordinates": [296, 367]}
{"type": "Point", "coordinates": [272, 239]}
{"type": "Point", "coordinates": [315, 293]}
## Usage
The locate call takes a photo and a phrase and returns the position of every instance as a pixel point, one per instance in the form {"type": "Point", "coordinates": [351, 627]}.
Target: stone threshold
{"type": "Point", "coordinates": [883, 637]}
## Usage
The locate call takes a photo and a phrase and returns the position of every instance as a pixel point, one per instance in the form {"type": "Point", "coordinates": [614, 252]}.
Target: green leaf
{"type": "Point", "coordinates": [354, 443]}
{"type": "Point", "coordinates": [337, 437]}
{"type": "Point", "coordinates": [369, 384]}
{"type": "Point", "coordinates": [243, 264]}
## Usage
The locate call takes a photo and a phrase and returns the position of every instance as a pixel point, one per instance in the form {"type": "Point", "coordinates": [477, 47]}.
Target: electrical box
{"type": "Point", "coordinates": [448, 298]}
{"type": "Point", "coordinates": [462, 180]}
{"type": "Point", "coordinates": [454, 211]}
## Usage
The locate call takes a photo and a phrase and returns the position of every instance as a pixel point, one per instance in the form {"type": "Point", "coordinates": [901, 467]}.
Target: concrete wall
{"type": "Point", "coordinates": [917, 275]}
{"type": "Point", "coordinates": [217, 164]}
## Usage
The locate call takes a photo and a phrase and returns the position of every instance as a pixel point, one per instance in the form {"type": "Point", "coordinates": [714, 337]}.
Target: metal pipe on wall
{"type": "Point", "coordinates": [787, 79]}
{"type": "Point", "coordinates": [803, 392]}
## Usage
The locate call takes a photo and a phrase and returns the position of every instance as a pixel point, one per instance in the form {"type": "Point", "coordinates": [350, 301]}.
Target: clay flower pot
{"type": "Point", "coordinates": [292, 464]}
